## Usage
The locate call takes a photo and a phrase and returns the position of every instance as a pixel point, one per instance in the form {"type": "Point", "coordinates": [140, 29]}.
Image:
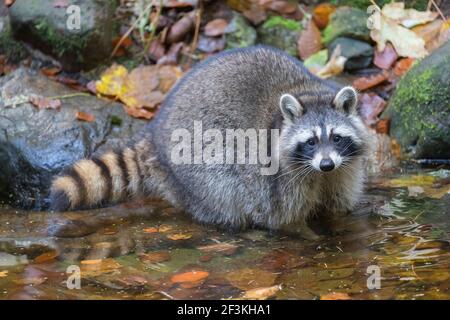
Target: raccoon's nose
{"type": "Point", "coordinates": [326, 165]}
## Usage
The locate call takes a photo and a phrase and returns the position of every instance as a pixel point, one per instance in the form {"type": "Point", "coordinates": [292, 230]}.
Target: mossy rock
{"type": "Point", "coordinates": [363, 4]}
{"type": "Point", "coordinates": [239, 33]}
{"type": "Point", "coordinates": [47, 28]}
{"type": "Point", "coordinates": [420, 108]}
{"type": "Point", "coordinates": [347, 22]}
{"type": "Point", "coordinates": [281, 33]}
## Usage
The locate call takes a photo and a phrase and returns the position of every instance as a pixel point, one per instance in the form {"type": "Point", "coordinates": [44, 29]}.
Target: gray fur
{"type": "Point", "coordinates": [242, 89]}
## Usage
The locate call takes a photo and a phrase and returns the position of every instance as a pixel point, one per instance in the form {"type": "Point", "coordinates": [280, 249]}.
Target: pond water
{"type": "Point", "coordinates": [147, 250]}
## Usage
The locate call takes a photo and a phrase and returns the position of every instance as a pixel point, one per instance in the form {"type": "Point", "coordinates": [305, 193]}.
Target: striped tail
{"type": "Point", "coordinates": [109, 178]}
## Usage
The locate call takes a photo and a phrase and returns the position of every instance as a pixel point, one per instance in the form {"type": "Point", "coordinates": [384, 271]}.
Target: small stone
{"type": "Point", "coordinates": [280, 33]}
{"type": "Point", "coordinates": [347, 22]}
{"type": "Point", "coordinates": [358, 53]}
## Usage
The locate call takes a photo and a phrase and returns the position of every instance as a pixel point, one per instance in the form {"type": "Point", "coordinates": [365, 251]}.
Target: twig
{"type": "Point", "coordinates": [438, 10]}
{"type": "Point", "coordinates": [132, 27]}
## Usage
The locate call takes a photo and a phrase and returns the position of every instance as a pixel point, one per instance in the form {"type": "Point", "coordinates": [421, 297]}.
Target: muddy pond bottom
{"type": "Point", "coordinates": [396, 246]}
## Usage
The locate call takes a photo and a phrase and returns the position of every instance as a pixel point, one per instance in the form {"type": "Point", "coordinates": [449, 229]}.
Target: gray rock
{"type": "Point", "coordinates": [358, 53]}
{"type": "Point", "coordinates": [347, 22]}
{"type": "Point", "coordinates": [36, 144]}
{"type": "Point", "coordinates": [420, 108]}
{"type": "Point", "coordinates": [280, 33]}
{"type": "Point", "coordinates": [239, 33]}
{"type": "Point", "coordinates": [13, 49]}
{"type": "Point", "coordinates": [48, 28]}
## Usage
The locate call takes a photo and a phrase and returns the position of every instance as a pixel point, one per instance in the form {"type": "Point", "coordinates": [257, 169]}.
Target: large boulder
{"type": "Point", "coordinates": [36, 144]}
{"type": "Point", "coordinates": [347, 22]}
{"type": "Point", "coordinates": [420, 108]}
{"type": "Point", "coordinates": [281, 33]}
{"type": "Point", "coordinates": [54, 29]}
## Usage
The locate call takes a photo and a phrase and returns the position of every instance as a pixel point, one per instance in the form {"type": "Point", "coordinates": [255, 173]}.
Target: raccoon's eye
{"type": "Point", "coordinates": [337, 138]}
{"type": "Point", "coordinates": [311, 142]}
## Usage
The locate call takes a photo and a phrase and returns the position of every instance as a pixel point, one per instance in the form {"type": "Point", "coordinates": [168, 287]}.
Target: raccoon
{"type": "Point", "coordinates": [322, 141]}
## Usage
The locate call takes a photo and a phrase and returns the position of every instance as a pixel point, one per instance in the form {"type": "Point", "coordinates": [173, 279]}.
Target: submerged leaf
{"type": "Point", "coordinates": [191, 276]}
{"type": "Point", "coordinates": [261, 293]}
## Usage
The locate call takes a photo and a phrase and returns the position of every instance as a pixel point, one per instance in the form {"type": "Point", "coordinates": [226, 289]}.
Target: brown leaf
{"type": "Point", "coordinates": [99, 266]}
{"type": "Point", "coordinates": [224, 248]}
{"type": "Point", "coordinates": [151, 230]}
{"type": "Point", "coordinates": [255, 16]}
{"type": "Point", "coordinates": [51, 71]}
{"type": "Point", "coordinates": [46, 257]}
{"type": "Point", "coordinates": [181, 28]}
{"type": "Point", "coordinates": [84, 116]}
{"type": "Point", "coordinates": [139, 113]}
{"type": "Point", "coordinates": [385, 58]}
{"type": "Point", "coordinates": [382, 126]}
{"type": "Point", "coordinates": [156, 50]}
{"type": "Point", "coordinates": [402, 66]}
{"type": "Point", "coordinates": [321, 14]}
{"type": "Point", "coordinates": [365, 83]}
{"type": "Point", "coordinates": [371, 107]}
{"type": "Point", "coordinates": [215, 27]}
{"type": "Point", "coordinates": [155, 257]}
{"type": "Point", "coordinates": [282, 7]}
{"type": "Point", "coordinates": [261, 293]}
{"type": "Point", "coordinates": [171, 58]}
{"type": "Point", "coordinates": [45, 103]}
{"type": "Point", "coordinates": [309, 41]}
{"type": "Point", "coordinates": [191, 276]}
{"type": "Point", "coordinates": [335, 296]}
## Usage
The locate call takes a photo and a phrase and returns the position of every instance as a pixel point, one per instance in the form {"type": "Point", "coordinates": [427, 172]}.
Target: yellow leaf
{"type": "Point", "coordinates": [112, 80]}
{"type": "Point", "coordinates": [179, 236]}
{"type": "Point", "coordinates": [334, 66]}
{"type": "Point", "coordinates": [407, 17]}
{"type": "Point", "coordinates": [335, 296]}
{"type": "Point", "coordinates": [3, 273]}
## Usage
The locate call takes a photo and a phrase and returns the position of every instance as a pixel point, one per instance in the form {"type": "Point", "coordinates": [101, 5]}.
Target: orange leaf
{"type": "Point", "coordinates": [365, 83]}
{"type": "Point", "coordinates": [179, 236]}
{"type": "Point", "coordinates": [138, 113]}
{"type": "Point", "coordinates": [191, 276]}
{"type": "Point", "coordinates": [45, 257]}
{"type": "Point", "coordinates": [84, 116]}
{"type": "Point", "coordinates": [335, 296]}
{"type": "Point", "coordinates": [155, 257]}
{"type": "Point", "coordinates": [402, 66]}
{"type": "Point", "coordinates": [321, 14]}
{"type": "Point", "coordinates": [150, 230]}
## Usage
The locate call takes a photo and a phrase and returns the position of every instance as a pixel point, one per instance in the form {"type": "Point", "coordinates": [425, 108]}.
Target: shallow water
{"type": "Point", "coordinates": [150, 251]}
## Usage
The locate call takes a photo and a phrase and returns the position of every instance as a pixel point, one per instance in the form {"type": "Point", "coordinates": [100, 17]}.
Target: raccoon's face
{"type": "Point", "coordinates": [322, 138]}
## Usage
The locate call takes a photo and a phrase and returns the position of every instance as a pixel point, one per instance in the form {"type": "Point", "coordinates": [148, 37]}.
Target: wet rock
{"type": "Point", "coordinates": [358, 53]}
{"type": "Point", "coordinates": [55, 30]}
{"type": "Point", "coordinates": [347, 22]}
{"type": "Point", "coordinates": [36, 144]}
{"type": "Point", "coordinates": [13, 49]}
{"type": "Point", "coordinates": [420, 108]}
{"type": "Point", "coordinates": [239, 33]}
{"type": "Point", "coordinates": [281, 33]}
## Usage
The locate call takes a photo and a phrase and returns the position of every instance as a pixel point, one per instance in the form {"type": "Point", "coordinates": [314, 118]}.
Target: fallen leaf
{"type": "Point", "coordinates": [386, 58]}
{"type": "Point", "coordinates": [139, 113]}
{"type": "Point", "coordinates": [317, 61]}
{"type": "Point", "coordinates": [371, 107]}
{"type": "Point", "coordinates": [51, 71]}
{"type": "Point", "coordinates": [335, 296]}
{"type": "Point", "coordinates": [156, 50]}
{"type": "Point", "coordinates": [261, 293]}
{"type": "Point", "coordinates": [112, 80]}
{"type": "Point", "coordinates": [309, 41]}
{"type": "Point", "coordinates": [407, 17]}
{"type": "Point", "coordinates": [179, 236]}
{"type": "Point", "coordinates": [46, 257]}
{"type": "Point", "coordinates": [282, 7]}
{"type": "Point", "coordinates": [405, 41]}
{"type": "Point", "coordinates": [402, 66]}
{"type": "Point", "coordinates": [191, 276]}
{"type": "Point", "coordinates": [97, 267]}
{"type": "Point", "coordinates": [382, 126]}
{"type": "Point", "coordinates": [165, 228]}
{"type": "Point", "coordinates": [150, 230]}
{"type": "Point", "coordinates": [3, 273]}
{"type": "Point", "coordinates": [223, 248]}
{"type": "Point", "coordinates": [124, 44]}
{"type": "Point", "coordinates": [155, 257]}
{"type": "Point", "coordinates": [181, 28]}
{"type": "Point", "coordinates": [443, 37]}
{"type": "Point", "coordinates": [171, 58]}
{"type": "Point", "coordinates": [247, 278]}
{"type": "Point", "coordinates": [84, 116]}
{"type": "Point", "coordinates": [365, 83]}
{"type": "Point", "coordinates": [44, 103]}
{"type": "Point", "coordinates": [215, 27]}
{"type": "Point", "coordinates": [334, 66]}
{"type": "Point", "coordinates": [321, 14]}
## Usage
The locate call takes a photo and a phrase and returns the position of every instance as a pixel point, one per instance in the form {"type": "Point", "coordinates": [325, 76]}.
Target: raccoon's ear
{"type": "Point", "coordinates": [346, 100]}
{"type": "Point", "coordinates": [290, 107]}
